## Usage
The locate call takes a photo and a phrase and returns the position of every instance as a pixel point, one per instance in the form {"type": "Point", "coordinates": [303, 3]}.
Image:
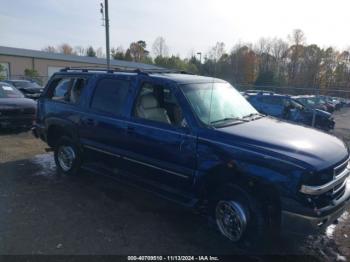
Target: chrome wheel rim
{"type": "Point", "coordinates": [66, 157]}
{"type": "Point", "coordinates": [231, 219]}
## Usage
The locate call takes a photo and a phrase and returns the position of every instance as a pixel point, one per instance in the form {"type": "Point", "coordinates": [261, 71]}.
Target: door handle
{"type": "Point", "coordinates": [89, 121]}
{"type": "Point", "coordinates": [130, 129]}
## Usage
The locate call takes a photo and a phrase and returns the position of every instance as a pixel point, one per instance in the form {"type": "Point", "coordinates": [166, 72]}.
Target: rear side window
{"type": "Point", "coordinates": [68, 90]}
{"type": "Point", "coordinates": [61, 91]}
{"type": "Point", "coordinates": [110, 96]}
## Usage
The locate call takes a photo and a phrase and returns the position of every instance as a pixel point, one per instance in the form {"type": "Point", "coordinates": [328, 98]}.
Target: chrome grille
{"type": "Point", "coordinates": [340, 169]}
{"type": "Point", "coordinates": [324, 194]}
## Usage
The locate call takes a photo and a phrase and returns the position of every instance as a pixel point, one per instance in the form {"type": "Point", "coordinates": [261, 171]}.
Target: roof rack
{"type": "Point", "coordinates": [123, 70]}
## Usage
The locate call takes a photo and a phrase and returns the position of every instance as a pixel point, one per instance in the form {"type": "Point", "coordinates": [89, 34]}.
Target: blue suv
{"type": "Point", "coordinates": [196, 141]}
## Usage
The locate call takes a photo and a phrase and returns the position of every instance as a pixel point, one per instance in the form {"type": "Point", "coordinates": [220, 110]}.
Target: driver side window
{"type": "Point", "coordinates": [157, 103]}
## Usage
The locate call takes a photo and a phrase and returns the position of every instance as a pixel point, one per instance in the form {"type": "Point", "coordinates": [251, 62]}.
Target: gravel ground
{"type": "Point", "coordinates": [45, 214]}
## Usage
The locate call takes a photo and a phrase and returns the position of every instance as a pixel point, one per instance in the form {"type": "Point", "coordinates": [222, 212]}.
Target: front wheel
{"type": "Point", "coordinates": [67, 156]}
{"type": "Point", "coordinates": [239, 216]}
{"type": "Point", "coordinates": [231, 219]}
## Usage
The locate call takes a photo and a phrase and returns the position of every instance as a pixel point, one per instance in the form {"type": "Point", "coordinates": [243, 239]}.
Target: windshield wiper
{"type": "Point", "coordinates": [258, 115]}
{"type": "Point", "coordinates": [235, 119]}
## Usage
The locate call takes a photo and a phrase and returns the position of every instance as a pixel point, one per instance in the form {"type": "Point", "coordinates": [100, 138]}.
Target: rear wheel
{"type": "Point", "coordinates": [67, 156]}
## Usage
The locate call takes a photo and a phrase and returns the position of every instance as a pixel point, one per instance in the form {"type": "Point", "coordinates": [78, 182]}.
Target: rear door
{"type": "Point", "coordinates": [61, 102]}
{"type": "Point", "coordinates": [103, 125]}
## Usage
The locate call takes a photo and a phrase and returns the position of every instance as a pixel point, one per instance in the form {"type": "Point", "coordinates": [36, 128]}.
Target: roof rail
{"type": "Point", "coordinates": [101, 69]}
{"type": "Point", "coordinates": [125, 70]}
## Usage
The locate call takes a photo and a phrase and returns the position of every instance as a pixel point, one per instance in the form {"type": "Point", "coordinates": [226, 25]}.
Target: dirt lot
{"type": "Point", "coordinates": [45, 214]}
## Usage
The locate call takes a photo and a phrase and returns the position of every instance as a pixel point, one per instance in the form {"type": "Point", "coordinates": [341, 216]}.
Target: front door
{"type": "Point", "coordinates": [162, 145]}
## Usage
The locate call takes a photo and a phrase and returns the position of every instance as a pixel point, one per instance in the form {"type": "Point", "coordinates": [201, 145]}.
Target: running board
{"type": "Point", "coordinates": [131, 180]}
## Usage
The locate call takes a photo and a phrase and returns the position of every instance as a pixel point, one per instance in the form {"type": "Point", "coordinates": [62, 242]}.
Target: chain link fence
{"type": "Point", "coordinates": [333, 92]}
{"type": "Point", "coordinates": [41, 80]}
{"type": "Point", "coordinates": [288, 90]}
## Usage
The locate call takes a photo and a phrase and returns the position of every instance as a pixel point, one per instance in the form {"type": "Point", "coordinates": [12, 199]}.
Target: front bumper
{"type": "Point", "coordinates": [303, 223]}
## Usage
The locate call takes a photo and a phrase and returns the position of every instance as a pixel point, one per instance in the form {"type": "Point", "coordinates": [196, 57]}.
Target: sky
{"type": "Point", "coordinates": [189, 26]}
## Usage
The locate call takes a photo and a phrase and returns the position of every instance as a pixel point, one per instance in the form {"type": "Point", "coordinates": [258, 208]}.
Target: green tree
{"type": "Point", "coordinates": [32, 74]}
{"type": "Point", "coordinates": [2, 72]}
{"type": "Point", "coordinates": [175, 62]}
{"type": "Point", "coordinates": [265, 78]}
{"type": "Point", "coordinates": [118, 53]}
{"type": "Point", "coordinates": [90, 52]}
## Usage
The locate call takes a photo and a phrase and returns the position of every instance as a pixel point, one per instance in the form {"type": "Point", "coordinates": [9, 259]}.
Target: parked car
{"type": "Point", "coordinates": [332, 101]}
{"type": "Point", "coordinates": [196, 141]}
{"type": "Point", "coordinates": [287, 108]}
{"type": "Point", "coordinates": [30, 89]}
{"type": "Point", "coordinates": [321, 100]}
{"type": "Point", "coordinates": [345, 102]}
{"type": "Point", "coordinates": [16, 112]}
{"type": "Point", "coordinates": [309, 101]}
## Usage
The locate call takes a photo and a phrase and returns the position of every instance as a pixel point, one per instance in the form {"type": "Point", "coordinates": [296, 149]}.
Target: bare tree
{"type": "Point", "coordinates": [100, 53]}
{"type": "Point", "coordinates": [264, 45]}
{"type": "Point", "coordinates": [263, 48]}
{"type": "Point", "coordinates": [49, 49]}
{"type": "Point", "coordinates": [160, 47]}
{"type": "Point", "coordinates": [279, 48]}
{"type": "Point", "coordinates": [79, 50]}
{"type": "Point", "coordinates": [297, 39]}
{"type": "Point", "coordinates": [279, 52]}
{"type": "Point", "coordinates": [217, 51]}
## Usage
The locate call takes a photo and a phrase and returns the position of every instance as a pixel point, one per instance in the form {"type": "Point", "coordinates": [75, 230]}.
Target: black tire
{"type": "Point", "coordinates": [255, 232]}
{"type": "Point", "coordinates": [71, 169]}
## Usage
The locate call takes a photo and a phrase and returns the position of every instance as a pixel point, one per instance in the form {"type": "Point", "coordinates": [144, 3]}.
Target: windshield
{"type": "Point", "coordinates": [310, 102]}
{"type": "Point", "coordinates": [320, 100]}
{"type": "Point", "coordinates": [25, 84]}
{"type": "Point", "coordinates": [217, 102]}
{"type": "Point", "coordinates": [7, 91]}
{"type": "Point", "coordinates": [296, 104]}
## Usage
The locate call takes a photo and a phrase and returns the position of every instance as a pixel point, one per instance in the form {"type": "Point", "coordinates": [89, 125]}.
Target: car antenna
{"type": "Point", "coordinates": [211, 93]}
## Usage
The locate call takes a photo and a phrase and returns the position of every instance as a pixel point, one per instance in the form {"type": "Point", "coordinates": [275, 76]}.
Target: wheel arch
{"type": "Point", "coordinates": [56, 128]}
{"type": "Point", "coordinates": [224, 176]}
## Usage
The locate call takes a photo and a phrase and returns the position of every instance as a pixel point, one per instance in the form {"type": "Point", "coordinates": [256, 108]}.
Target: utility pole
{"type": "Point", "coordinates": [105, 17]}
{"type": "Point", "coordinates": [108, 54]}
{"type": "Point", "coordinates": [200, 57]}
